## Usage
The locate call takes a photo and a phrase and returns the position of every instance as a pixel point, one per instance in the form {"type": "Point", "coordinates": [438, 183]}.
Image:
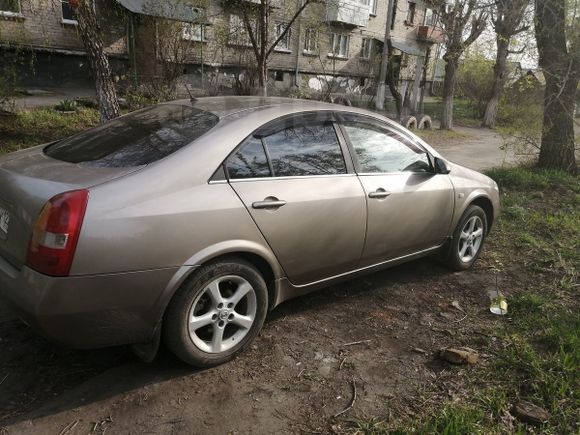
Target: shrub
{"type": "Point", "coordinates": [475, 80]}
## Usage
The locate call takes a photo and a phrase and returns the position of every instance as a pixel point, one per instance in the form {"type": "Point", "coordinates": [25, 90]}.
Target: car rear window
{"type": "Point", "coordinates": [136, 139]}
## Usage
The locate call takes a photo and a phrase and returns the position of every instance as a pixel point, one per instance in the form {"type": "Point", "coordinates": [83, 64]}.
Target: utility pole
{"type": "Point", "coordinates": [380, 99]}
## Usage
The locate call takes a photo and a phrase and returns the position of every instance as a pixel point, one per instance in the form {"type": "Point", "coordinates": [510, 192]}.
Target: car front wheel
{"type": "Point", "coordinates": [216, 313]}
{"type": "Point", "coordinates": [467, 242]}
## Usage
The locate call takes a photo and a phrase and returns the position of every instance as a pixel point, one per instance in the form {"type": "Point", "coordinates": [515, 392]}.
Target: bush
{"type": "Point", "coordinates": [520, 115]}
{"type": "Point", "coordinates": [475, 80]}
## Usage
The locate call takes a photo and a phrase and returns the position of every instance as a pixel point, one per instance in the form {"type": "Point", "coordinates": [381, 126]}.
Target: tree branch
{"type": "Point", "coordinates": [250, 32]}
{"type": "Point", "coordinates": [289, 24]}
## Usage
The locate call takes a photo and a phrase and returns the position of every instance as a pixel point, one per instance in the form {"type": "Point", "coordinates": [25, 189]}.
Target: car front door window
{"type": "Point", "coordinates": [380, 150]}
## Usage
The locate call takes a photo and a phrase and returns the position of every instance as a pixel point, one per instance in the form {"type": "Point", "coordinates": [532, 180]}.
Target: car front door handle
{"type": "Point", "coordinates": [379, 194]}
{"type": "Point", "coordinates": [269, 203]}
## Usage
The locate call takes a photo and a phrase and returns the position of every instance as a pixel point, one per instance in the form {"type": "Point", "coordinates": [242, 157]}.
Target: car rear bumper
{"type": "Point", "coordinates": [87, 311]}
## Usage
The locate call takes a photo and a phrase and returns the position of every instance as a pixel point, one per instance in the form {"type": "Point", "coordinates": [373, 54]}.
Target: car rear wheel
{"type": "Point", "coordinates": [467, 242]}
{"type": "Point", "coordinates": [216, 313]}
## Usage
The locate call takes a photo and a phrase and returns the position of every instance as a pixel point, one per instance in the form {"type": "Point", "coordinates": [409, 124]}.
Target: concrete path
{"type": "Point", "coordinates": [479, 150]}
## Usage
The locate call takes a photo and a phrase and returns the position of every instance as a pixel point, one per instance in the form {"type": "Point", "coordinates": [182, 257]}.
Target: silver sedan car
{"type": "Point", "coordinates": [187, 221]}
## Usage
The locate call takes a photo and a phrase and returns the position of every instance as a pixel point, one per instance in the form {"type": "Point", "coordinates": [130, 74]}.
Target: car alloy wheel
{"type": "Point", "coordinates": [222, 314]}
{"type": "Point", "coordinates": [216, 312]}
{"type": "Point", "coordinates": [464, 248]}
{"type": "Point", "coordinates": [470, 239]}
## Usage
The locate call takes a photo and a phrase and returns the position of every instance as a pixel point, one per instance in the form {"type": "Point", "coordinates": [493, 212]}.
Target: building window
{"type": "Point", "coordinates": [239, 33]}
{"type": "Point", "coordinates": [194, 32]}
{"type": "Point", "coordinates": [373, 7]}
{"type": "Point", "coordinates": [394, 15]}
{"type": "Point", "coordinates": [284, 43]}
{"type": "Point", "coordinates": [10, 7]}
{"type": "Point", "coordinates": [69, 16]}
{"type": "Point", "coordinates": [430, 17]}
{"type": "Point", "coordinates": [366, 48]}
{"type": "Point", "coordinates": [311, 41]}
{"type": "Point", "coordinates": [339, 45]}
{"type": "Point", "coordinates": [411, 12]}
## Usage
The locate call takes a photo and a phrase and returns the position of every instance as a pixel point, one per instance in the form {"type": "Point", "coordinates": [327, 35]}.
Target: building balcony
{"type": "Point", "coordinates": [430, 34]}
{"type": "Point", "coordinates": [349, 12]}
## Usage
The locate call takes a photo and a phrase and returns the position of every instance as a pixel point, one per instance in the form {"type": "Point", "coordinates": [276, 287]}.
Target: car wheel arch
{"type": "Point", "coordinates": [485, 203]}
{"type": "Point", "coordinates": [269, 271]}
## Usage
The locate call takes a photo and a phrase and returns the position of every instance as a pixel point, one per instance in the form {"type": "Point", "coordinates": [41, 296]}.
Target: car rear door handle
{"type": "Point", "coordinates": [379, 193]}
{"type": "Point", "coordinates": [269, 203]}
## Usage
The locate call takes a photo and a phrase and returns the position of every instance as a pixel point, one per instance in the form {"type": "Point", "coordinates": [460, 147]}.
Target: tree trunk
{"type": "Point", "coordinates": [263, 79]}
{"type": "Point", "coordinates": [451, 65]}
{"type": "Point", "coordinates": [392, 83]}
{"type": "Point", "coordinates": [499, 70]}
{"type": "Point", "coordinates": [90, 32]}
{"type": "Point", "coordinates": [557, 150]}
{"type": "Point", "coordinates": [562, 73]}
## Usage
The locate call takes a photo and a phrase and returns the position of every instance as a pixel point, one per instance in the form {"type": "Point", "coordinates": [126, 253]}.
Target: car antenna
{"type": "Point", "coordinates": [191, 97]}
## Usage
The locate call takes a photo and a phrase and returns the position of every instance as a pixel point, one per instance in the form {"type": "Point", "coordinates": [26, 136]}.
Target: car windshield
{"type": "Point", "coordinates": [136, 139]}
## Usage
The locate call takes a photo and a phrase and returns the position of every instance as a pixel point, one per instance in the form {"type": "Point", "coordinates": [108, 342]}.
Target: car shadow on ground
{"type": "Point", "coordinates": [38, 378]}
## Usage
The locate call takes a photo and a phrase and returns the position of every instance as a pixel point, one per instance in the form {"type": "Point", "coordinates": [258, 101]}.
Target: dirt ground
{"type": "Point", "coordinates": [300, 372]}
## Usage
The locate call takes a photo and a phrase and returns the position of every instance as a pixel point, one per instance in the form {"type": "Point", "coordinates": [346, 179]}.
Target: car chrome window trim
{"type": "Point", "coordinates": [290, 177]}
{"type": "Point", "coordinates": [378, 174]}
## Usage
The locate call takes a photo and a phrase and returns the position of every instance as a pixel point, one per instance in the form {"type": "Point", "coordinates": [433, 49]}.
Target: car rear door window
{"type": "Point", "coordinates": [136, 139]}
{"type": "Point", "coordinates": [381, 150]}
{"type": "Point", "coordinates": [305, 148]}
{"type": "Point", "coordinates": [249, 161]}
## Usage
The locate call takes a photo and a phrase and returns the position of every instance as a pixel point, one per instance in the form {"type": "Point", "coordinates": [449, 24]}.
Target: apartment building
{"type": "Point", "coordinates": [335, 46]}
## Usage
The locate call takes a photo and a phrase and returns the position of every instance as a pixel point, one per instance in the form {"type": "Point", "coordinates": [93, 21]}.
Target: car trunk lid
{"type": "Point", "coordinates": [28, 179]}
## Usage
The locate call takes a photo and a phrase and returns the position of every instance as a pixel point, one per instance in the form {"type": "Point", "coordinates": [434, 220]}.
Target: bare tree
{"type": "Point", "coordinates": [507, 18]}
{"type": "Point", "coordinates": [257, 16]}
{"type": "Point", "coordinates": [90, 31]}
{"type": "Point", "coordinates": [463, 22]}
{"type": "Point", "coordinates": [558, 39]}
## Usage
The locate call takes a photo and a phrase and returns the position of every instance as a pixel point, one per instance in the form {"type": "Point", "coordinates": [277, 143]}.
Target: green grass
{"type": "Point", "coordinates": [536, 355]}
{"type": "Point", "coordinates": [36, 126]}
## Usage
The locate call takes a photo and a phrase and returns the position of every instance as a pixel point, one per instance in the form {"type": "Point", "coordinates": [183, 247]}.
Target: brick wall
{"type": "Point", "coordinates": [40, 25]}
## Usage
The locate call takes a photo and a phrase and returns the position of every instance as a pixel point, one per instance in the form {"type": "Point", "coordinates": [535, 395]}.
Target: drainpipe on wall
{"type": "Point", "coordinates": [298, 49]}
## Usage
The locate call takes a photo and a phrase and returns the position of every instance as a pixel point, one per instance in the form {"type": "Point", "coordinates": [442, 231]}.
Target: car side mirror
{"type": "Point", "coordinates": [441, 166]}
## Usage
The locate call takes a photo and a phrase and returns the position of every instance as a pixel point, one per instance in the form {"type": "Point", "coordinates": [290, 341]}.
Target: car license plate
{"type": "Point", "coordinates": [4, 221]}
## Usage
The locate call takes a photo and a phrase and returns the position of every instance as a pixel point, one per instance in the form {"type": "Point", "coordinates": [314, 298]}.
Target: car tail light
{"type": "Point", "coordinates": [56, 233]}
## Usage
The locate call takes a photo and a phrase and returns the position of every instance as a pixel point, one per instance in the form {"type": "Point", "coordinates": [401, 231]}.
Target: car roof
{"type": "Point", "coordinates": [235, 107]}
{"type": "Point", "coordinates": [226, 106]}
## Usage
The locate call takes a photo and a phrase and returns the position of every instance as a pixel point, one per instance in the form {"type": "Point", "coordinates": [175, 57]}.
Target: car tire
{"type": "Point", "coordinates": [467, 241]}
{"type": "Point", "coordinates": [211, 319]}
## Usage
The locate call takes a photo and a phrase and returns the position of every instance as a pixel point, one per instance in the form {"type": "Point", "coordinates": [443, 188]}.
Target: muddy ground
{"type": "Point", "coordinates": [300, 372]}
